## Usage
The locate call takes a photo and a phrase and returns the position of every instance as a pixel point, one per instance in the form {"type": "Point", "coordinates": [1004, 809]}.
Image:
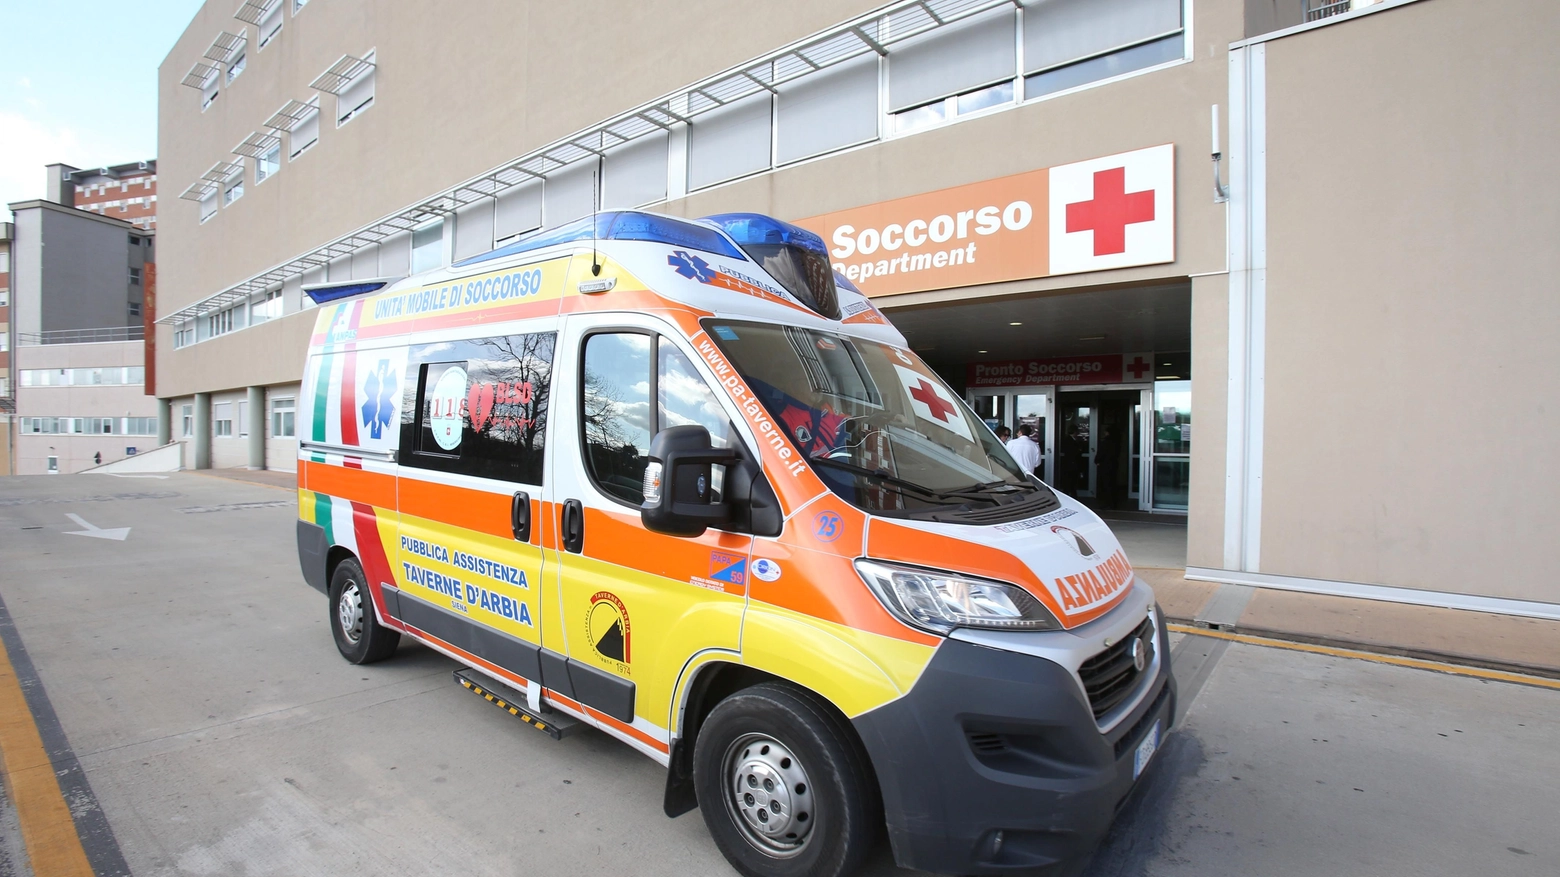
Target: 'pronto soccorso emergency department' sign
{"type": "Point", "coordinates": [1111, 212]}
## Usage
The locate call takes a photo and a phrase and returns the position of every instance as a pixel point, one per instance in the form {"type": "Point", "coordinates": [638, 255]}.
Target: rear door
{"type": "Point", "coordinates": [474, 447]}
{"type": "Point", "coordinates": [637, 607]}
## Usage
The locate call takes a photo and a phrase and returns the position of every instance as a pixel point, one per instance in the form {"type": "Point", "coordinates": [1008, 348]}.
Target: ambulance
{"type": "Point", "coordinates": [682, 482]}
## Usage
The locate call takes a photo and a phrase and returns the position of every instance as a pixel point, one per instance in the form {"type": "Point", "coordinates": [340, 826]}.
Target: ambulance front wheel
{"type": "Point", "coordinates": [360, 637]}
{"type": "Point", "coordinates": [784, 785]}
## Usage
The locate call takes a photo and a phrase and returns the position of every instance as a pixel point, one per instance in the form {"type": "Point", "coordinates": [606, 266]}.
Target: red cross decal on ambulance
{"type": "Point", "coordinates": [931, 402]}
{"type": "Point", "coordinates": [1113, 212]}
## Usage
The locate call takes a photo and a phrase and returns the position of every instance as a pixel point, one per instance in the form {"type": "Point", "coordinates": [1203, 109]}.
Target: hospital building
{"type": "Point", "coordinates": [1277, 271]}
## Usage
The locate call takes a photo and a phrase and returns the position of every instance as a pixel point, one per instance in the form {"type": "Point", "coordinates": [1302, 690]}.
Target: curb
{"type": "Point", "coordinates": [1483, 663]}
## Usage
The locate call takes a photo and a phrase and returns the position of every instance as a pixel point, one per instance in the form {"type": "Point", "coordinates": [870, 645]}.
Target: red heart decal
{"type": "Point", "coordinates": [479, 402]}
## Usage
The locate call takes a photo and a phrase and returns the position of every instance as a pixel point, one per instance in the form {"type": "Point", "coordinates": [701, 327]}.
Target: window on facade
{"type": "Point", "coordinates": [270, 23]}
{"type": "Point", "coordinates": [5, 263]}
{"type": "Point", "coordinates": [134, 309]}
{"type": "Point", "coordinates": [283, 410]}
{"type": "Point", "coordinates": [222, 420]}
{"type": "Point", "coordinates": [634, 174]}
{"type": "Point", "coordinates": [183, 336]}
{"type": "Point", "coordinates": [135, 276]}
{"type": "Point", "coordinates": [243, 418]}
{"type": "Point", "coordinates": [233, 186]}
{"type": "Point", "coordinates": [621, 375]}
{"type": "Point", "coordinates": [305, 134]}
{"type": "Point", "coordinates": [268, 307]}
{"type": "Point", "coordinates": [298, 5]}
{"type": "Point", "coordinates": [208, 206]}
{"type": "Point", "coordinates": [1068, 43]}
{"type": "Point", "coordinates": [224, 321]}
{"type": "Point", "coordinates": [958, 69]}
{"type": "Point", "coordinates": [237, 67]}
{"type": "Point", "coordinates": [209, 91]}
{"type": "Point", "coordinates": [428, 247]}
{"type": "Point", "coordinates": [268, 163]}
{"type": "Point", "coordinates": [480, 407]}
{"type": "Point", "coordinates": [189, 420]}
{"type": "Point", "coordinates": [730, 142]}
{"type": "Point", "coordinates": [827, 111]}
{"type": "Point", "coordinates": [357, 96]}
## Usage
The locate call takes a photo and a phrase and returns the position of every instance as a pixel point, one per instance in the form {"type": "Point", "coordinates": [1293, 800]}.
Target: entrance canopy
{"type": "Point", "coordinates": [1101, 378]}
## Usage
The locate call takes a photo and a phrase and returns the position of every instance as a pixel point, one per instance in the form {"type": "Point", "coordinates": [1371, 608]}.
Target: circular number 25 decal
{"type": "Point", "coordinates": [827, 526]}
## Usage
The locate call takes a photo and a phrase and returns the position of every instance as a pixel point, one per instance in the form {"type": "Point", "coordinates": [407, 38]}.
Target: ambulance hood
{"type": "Point", "coordinates": [1067, 557]}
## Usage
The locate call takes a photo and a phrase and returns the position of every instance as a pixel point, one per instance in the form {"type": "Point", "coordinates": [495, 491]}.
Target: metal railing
{"type": "Point", "coordinates": [1316, 10]}
{"type": "Point", "coordinates": [83, 336]}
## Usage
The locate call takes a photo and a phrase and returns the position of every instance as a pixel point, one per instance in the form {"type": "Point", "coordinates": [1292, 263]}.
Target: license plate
{"type": "Point", "coordinates": [1145, 751]}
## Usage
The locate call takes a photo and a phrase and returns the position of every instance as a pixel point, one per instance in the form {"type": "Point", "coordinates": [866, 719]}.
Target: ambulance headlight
{"type": "Point", "coordinates": [653, 482]}
{"type": "Point", "coordinates": [941, 601]}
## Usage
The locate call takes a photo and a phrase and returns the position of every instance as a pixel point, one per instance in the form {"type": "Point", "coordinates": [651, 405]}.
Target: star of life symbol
{"type": "Point", "coordinates": [691, 266]}
{"type": "Point", "coordinates": [379, 408]}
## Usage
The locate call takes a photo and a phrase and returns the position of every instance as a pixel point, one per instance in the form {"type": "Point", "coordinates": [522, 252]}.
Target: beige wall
{"type": "Point", "coordinates": [75, 452]}
{"type": "Point", "coordinates": [1412, 319]}
{"type": "Point", "coordinates": [1210, 400]}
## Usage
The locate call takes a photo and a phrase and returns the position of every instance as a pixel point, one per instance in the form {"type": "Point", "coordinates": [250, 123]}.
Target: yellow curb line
{"type": "Point", "coordinates": [48, 830]}
{"type": "Point", "coordinates": [1395, 660]}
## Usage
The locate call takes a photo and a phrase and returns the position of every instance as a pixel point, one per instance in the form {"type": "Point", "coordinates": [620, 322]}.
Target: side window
{"type": "Point", "coordinates": [480, 407]}
{"type": "Point", "coordinates": [616, 410]}
{"type": "Point", "coordinates": [619, 419]}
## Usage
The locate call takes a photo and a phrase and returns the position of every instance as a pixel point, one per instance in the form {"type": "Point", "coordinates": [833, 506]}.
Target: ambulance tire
{"type": "Point", "coordinates": [360, 637]}
{"type": "Point", "coordinates": [778, 731]}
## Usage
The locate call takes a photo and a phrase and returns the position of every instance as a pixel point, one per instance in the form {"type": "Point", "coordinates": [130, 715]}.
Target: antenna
{"type": "Point", "coordinates": [595, 205]}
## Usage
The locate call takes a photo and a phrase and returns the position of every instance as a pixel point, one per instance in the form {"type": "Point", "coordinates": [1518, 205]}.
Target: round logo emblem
{"type": "Point", "coordinates": [803, 435]}
{"type": "Point", "coordinates": [766, 570]}
{"type": "Point", "coordinates": [827, 526]}
{"type": "Point", "coordinates": [445, 405]}
{"type": "Point", "coordinates": [1073, 540]}
{"type": "Point", "coordinates": [607, 628]}
{"type": "Point", "coordinates": [1139, 655]}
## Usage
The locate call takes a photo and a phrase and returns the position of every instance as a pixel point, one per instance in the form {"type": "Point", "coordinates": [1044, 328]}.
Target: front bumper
{"type": "Point", "coordinates": [991, 741]}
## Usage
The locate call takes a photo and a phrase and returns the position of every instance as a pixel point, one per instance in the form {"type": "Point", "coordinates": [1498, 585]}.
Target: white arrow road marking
{"type": "Point", "coordinates": [118, 533]}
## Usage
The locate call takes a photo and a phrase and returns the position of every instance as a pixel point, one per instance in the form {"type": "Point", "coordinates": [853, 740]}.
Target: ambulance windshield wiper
{"type": "Point", "coordinates": [938, 495]}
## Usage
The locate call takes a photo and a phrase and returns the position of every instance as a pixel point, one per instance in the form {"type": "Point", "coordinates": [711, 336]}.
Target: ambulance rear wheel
{"type": "Point", "coordinates": [784, 786]}
{"type": "Point", "coordinates": [360, 637]}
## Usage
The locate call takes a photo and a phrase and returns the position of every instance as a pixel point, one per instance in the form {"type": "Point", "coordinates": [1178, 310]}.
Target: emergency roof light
{"type": "Point", "coordinates": [619, 225]}
{"type": "Point", "coordinates": [323, 293]}
{"type": "Point", "coordinates": [790, 254]}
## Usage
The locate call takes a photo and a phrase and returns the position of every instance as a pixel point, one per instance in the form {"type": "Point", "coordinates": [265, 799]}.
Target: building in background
{"type": "Point", "coordinates": [1345, 299]}
{"type": "Point", "coordinates": [7, 400]}
{"type": "Point", "coordinates": [124, 191]}
{"type": "Point", "coordinates": [78, 291]}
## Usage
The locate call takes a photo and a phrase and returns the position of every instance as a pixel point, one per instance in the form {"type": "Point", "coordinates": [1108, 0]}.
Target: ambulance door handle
{"type": "Point", "coordinates": [573, 526]}
{"type": "Point", "coordinates": [520, 516]}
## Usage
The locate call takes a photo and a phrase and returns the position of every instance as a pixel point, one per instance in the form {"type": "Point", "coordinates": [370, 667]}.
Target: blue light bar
{"type": "Point", "coordinates": [322, 293]}
{"type": "Point", "coordinates": [756, 228]}
{"type": "Point", "coordinates": [619, 225]}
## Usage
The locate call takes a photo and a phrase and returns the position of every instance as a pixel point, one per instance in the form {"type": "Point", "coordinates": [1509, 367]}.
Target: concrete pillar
{"type": "Point", "coordinates": [164, 421]}
{"type": "Point", "coordinates": [257, 427]}
{"type": "Point", "coordinates": [202, 430]}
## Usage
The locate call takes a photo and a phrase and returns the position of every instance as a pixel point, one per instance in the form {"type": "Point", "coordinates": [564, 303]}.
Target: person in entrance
{"type": "Point", "coordinates": [1025, 451]}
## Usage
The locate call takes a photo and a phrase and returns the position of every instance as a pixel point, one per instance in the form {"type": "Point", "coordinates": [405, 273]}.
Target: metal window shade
{"type": "Point", "coordinates": [836, 108]}
{"type": "Point", "coordinates": [518, 210]}
{"type": "Point", "coordinates": [952, 60]}
{"type": "Point", "coordinates": [729, 142]}
{"type": "Point", "coordinates": [221, 171]}
{"type": "Point", "coordinates": [199, 75]}
{"type": "Point", "coordinates": [199, 190]}
{"type": "Point", "coordinates": [635, 173]}
{"type": "Point", "coordinates": [474, 229]}
{"type": "Point", "coordinates": [569, 194]}
{"type": "Point", "coordinates": [1058, 31]}
{"type": "Point", "coordinates": [254, 11]}
{"type": "Point", "coordinates": [341, 74]}
{"type": "Point", "coordinates": [289, 116]}
{"type": "Point", "coordinates": [225, 46]}
{"type": "Point", "coordinates": [256, 144]}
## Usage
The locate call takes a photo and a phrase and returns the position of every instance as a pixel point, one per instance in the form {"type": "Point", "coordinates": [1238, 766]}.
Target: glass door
{"type": "Point", "coordinates": [1029, 407]}
{"type": "Point", "coordinates": [1171, 418]}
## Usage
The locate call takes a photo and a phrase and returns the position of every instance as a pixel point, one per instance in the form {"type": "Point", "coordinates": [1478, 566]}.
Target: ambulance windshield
{"type": "Point", "coordinates": [877, 425]}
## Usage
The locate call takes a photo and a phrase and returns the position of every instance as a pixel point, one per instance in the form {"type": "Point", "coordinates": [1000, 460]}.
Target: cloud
{"type": "Point", "coordinates": [30, 144]}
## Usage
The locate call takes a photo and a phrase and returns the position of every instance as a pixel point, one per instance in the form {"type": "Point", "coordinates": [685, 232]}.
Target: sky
{"type": "Point", "coordinates": [78, 84]}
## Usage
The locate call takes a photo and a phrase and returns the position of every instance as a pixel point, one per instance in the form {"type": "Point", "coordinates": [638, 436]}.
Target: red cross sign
{"type": "Point", "coordinates": [932, 403]}
{"type": "Point", "coordinates": [1138, 367]}
{"type": "Point", "coordinates": [1111, 211]}
{"type": "Point", "coordinates": [926, 395]}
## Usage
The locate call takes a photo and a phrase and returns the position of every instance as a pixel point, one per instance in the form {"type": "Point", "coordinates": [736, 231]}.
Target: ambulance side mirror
{"type": "Point", "coordinates": [679, 495]}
